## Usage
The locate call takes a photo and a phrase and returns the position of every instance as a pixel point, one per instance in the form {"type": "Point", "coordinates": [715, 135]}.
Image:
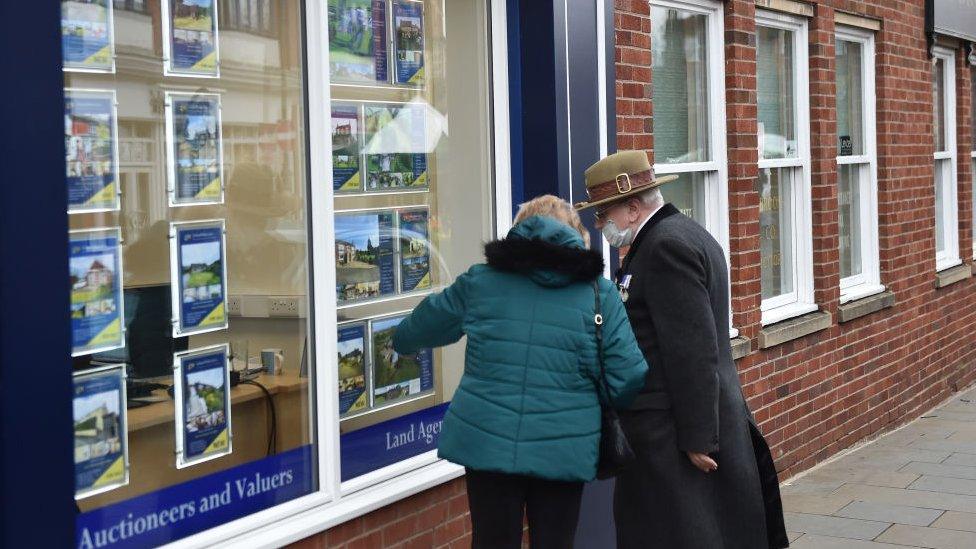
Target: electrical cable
{"type": "Point", "coordinates": [273, 431]}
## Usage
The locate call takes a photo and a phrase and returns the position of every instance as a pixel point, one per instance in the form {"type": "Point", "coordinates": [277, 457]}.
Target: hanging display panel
{"type": "Point", "coordinates": [203, 414]}
{"type": "Point", "coordinates": [87, 35]}
{"type": "Point", "coordinates": [91, 150]}
{"type": "Point", "coordinates": [95, 278]}
{"type": "Point", "coordinates": [190, 38]}
{"type": "Point", "coordinates": [101, 448]}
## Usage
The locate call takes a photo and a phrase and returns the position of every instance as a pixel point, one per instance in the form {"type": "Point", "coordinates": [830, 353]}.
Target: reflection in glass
{"type": "Point", "coordinates": [680, 86]}
{"type": "Point", "coordinates": [940, 229]}
{"type": "Point", "coordinates": [850, 95]}
{"type": "Point", "coordinates": [687, 193]}
{"type": "Point", "coordinates": [776, 98]}
{"type": "Point", "coordinates": [849, 220]}
{"type": "Point", "coordinates": [938, 100]}
{"type": "Point", "coordinates": [776, 231]}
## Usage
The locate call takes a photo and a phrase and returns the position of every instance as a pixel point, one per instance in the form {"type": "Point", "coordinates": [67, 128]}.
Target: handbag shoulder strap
{"type": "Point", "coordinates": [598, 324]}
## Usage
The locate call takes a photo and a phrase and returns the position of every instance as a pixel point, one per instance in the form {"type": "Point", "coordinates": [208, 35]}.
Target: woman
{"type": "Point", "coordinates": [525, 420]}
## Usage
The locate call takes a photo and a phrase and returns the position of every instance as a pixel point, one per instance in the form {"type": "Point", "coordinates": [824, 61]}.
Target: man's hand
{"type": "Point", "coordinates": [702, 461]}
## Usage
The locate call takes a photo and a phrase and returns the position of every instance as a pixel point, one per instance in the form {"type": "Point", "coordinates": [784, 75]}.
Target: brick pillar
{"type": "Point", "coordinates": [741, 112]}
{"type": "Point", "coordinates": [964, 148]}
{"type": "Point", "coordinates": [823, 161]}
{"type": "Point", "coordinates": [632, 54]}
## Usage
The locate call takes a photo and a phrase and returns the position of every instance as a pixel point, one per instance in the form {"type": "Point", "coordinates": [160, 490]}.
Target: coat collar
{"type": "Point", "coordinates": [547, 263]}
{"type": "Point", "coordinates": [665, 212]}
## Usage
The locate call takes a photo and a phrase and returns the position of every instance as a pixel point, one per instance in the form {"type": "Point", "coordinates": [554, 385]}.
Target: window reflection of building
{"type": "Point", "coordinates": [253, 16]}
{"type": "Point", "coordinates": [138, 6]}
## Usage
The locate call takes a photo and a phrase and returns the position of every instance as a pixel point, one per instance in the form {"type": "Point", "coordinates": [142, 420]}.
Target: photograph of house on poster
{"type": "Point", "coordinates": [191, 37]}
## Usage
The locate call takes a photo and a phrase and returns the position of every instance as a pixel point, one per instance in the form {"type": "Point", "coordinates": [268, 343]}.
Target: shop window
{"type": "Point", "coordinates": [784, 167]}
{"type": "Point", "coordinates": [857, 194]}
{"type": "Point", "coordinates": [944, 135]}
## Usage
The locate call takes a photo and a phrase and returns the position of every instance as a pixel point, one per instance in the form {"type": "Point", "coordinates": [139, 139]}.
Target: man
{"type": "Point", "coordinates": [704, 476]}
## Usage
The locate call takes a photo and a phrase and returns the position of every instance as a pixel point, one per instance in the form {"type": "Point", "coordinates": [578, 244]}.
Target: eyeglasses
{"type": "Point", "coordinates": [601, 215]}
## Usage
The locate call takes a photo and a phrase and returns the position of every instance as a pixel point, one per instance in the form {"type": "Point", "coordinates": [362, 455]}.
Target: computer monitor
{"type": "Point", "coordinates": [149, 342]}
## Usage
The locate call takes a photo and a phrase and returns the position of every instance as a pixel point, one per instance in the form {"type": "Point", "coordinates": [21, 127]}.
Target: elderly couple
{"type": "Point", "coordinates": [526, 419]}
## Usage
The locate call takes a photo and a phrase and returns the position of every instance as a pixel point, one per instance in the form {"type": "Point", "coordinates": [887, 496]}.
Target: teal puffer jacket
{"type": "Point", "coordinates": [527, 403]}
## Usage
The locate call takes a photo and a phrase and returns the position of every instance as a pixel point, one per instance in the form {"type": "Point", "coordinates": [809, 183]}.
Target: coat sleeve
{"type": "Point", "coordinates": [437, 321]}
{"type": "Point", "coordinates": [622, 358]}
{"type": "Point", "coordinates": [676, 285]}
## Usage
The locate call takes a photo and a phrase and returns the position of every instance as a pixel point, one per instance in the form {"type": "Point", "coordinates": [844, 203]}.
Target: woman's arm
{"type": "Point", "coordinates": [436, 321]}
{"type": "Point", "coordinates": [623, 359]}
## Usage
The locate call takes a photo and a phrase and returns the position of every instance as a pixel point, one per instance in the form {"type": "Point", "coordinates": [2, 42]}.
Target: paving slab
{"type": "Point", "coordinates": [810, 541]}
{"type": "Point", "coordinates": [967, 460]}
{"type": "Point", "coordinates": [941, 470]}
{"type": "Point", "coordinates": [954, 520]}
{"type": "Point", "coordinates": [934, 538]}
{"type": "Point", "coordinates": [914, 498]}
{"type": "Point", "coordinates": [819, 505]}
{"type": "Point", "coordinates": [945, 485]}
{"type": "Point", "coordinates": [890, 512]}
{"type": "Point", "coordinates": [835, 526]}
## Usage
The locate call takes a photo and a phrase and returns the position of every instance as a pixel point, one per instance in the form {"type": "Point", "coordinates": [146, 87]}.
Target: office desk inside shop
{"type": "Point", "coordinates": [152, 436]}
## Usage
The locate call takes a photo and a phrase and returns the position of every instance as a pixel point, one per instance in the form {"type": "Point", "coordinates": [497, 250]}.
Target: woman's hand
{"type": "Point", "coordinates": [702, 461]}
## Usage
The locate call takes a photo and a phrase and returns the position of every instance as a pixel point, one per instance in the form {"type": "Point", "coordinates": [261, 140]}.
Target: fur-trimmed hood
{"type": "Point", "coordinates": [549, 252]}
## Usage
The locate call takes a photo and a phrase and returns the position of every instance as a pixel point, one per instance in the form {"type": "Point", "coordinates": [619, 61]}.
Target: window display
{"type": "Point", "coordinates": [357, 41]}
{"type": "Point", "coordinates": [91, 150]}
{"type": "Point", "coordinates": [87, 40]}
{"type": "Point", "coordinates": [195, 164]}
{"type": "Point", "coordinates": [200, 291]}
{"type": "Point", "coordinates": [190, 38]}
{"type": "Point", "coordinates": [95, 271]}
{"type": "Point", "coordinates": [101, 449]}
{"type": "Point", "coordinates": [203, 426]}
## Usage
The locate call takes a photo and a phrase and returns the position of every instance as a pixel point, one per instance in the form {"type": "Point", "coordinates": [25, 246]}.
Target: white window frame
{"type": "Point", "coordinates": [715, 171]}
{"type": "Point", "coordinates": [801, 300]}
{"type": "Point", "coordinates": [945, 161]}
{"type": "Point", "coordinates": [972, 154]}
{"type": "Point", "coordinates": [336, 502]}
{"type": "Point", "coordinates": [868, 282]}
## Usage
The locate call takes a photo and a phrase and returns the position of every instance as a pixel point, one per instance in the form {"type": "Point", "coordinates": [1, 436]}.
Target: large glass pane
{"type": "Point", "coordinates": [941, 169]}
{"type": "Point", "coordinates": [414, 203]}
{"type": "Point", "coordinates": [849, 219]}
{"type": "Point", "coordinates": [776, 231]}
{"type": "Point", "coordinates": [687, 193]}
{"type": "Point", "coordinates": [679, 64]}
{"type": "Point", "coordinates": [938, 100]}
{"type": "Point", "coordinates": [775, 67]}
{"type": "Point", "coordinates": [188, 266]}
{"type": "Point", "coordinates": [850, 96]}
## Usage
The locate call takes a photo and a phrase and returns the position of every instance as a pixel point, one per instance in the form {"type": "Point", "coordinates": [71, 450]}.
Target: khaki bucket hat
{"type": "Point", "coordinates": [618, 176]}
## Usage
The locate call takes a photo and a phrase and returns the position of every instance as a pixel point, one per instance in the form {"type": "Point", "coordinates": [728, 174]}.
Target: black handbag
{"type": "Point", "coordinates": [615, 451]}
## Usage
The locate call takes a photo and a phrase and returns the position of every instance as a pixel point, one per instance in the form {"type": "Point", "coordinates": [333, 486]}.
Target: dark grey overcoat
{"type": "Point", "coordinates": [678, 304]}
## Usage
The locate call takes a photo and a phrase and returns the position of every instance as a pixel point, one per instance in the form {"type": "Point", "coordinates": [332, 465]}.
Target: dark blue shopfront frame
{"type": "Point", "coordinates": [383, 444]}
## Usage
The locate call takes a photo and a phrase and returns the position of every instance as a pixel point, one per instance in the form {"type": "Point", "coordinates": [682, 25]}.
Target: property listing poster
{"type": "Point", "coordinates": [414, 250]}
{"type": "Point", "coordinates": [199, 269]}
{"type": "Point", "coordinates": [86, 35]}
{"type": "Point", "coordinates": [365, 256]}
{"type": "Point", "coordinates": [346, 131]}
{"type": "Point", "coordinates": [191, 32]}
{"type": "Point", "coordinates": [101, 449]}
{"type": "Point", "coordinates": [353, 396]}
{"type": "Point", "coordinates": [408, 26]}
{"type": "Point", "coordinates": [195, 167]}
{"type": "Point", "coordinates": [357, 41]}
{"type": "Point", "coordinates": [395, 376]}
{"type": "Point", "coordinates": [203, 405]}
{"type": "Point", "coordinates": [95, 278]}
{"type": "Point", "coordinates": [91, 155]}
{"type": "Point", "coordinates": [395, 146]}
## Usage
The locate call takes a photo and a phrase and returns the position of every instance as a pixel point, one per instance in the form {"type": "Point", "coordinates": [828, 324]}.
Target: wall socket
{"type": "Point", "coordinates": [234, 305]}
{"type": "Point", "coordinates": [286, 306]}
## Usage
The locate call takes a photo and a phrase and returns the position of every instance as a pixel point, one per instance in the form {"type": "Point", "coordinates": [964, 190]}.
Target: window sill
{"type": "Point", "coordinates": [860, 292]}
{"type": "Point", "coordinates": [786, 312]}
{"type": "Point", "coordinates": [740, 347]}
{"type": "Point", "coordinates": [950, 276]}
{"type": "Point", "coordinates": [795, 328]}
{"type": "Point", "coordinates": [865, 306]}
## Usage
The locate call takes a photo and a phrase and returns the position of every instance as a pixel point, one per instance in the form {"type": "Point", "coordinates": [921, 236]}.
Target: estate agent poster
{"type": "Point", "coordinates": [101, 447]}
{"type": "Point", "coordinates": [198, 267]}
{"type": "Point", "coordinates": [201, 391]}
{"type": "Point", "coordinates": [91, 150]}
{"type": "Point", "coordinates": [395, 376]}
{"type": "Point", "coordinates": [195, 167]}
{"type": "Point", "coordinates": [365, 257]}
{"type": "Point", "coordinates": [395, 146]}
{"type": "Point", "coordinates": [95, 278]}
{"type": "Point", "coordinates": [414, 250]}
{"type": "Point", "coordinates": [408, 24]}
{"type": "Point", "coordinates": [346, 128]}
{"type": "Point", "coordinates": [190, 38]}
{"type": "Point", "coordinates": [86, 35]}
{"type": "Point", "coordinates": [352, 369]}
{"type": "Point", "coordinates": [357, 41]}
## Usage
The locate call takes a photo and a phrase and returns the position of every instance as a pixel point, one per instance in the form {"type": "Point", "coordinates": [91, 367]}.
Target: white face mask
{"type": "Point", "coordinates": [615, 236]}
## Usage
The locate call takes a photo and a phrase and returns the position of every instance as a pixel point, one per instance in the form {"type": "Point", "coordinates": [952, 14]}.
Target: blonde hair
{"type": "Point", "coordinates": [548, 205]}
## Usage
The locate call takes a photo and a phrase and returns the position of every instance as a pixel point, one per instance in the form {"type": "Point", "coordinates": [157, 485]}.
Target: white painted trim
{"type": "Point", "coordinates": [689, 167]}
{"type": "Point", "coordinates": [946, 161]}
{"type": "Point", "coordinates": [869, 281]}
{"type": "Point", "coordinates": [500, 118]}
{"type": "Point", "coordinates": [569, 103]}
{"type": "Point", "coordinates": [801, 300]}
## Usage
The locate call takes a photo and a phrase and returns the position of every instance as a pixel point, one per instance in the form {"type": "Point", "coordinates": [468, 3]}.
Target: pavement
{"type": "Point", "coordinates": [914, 487]}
